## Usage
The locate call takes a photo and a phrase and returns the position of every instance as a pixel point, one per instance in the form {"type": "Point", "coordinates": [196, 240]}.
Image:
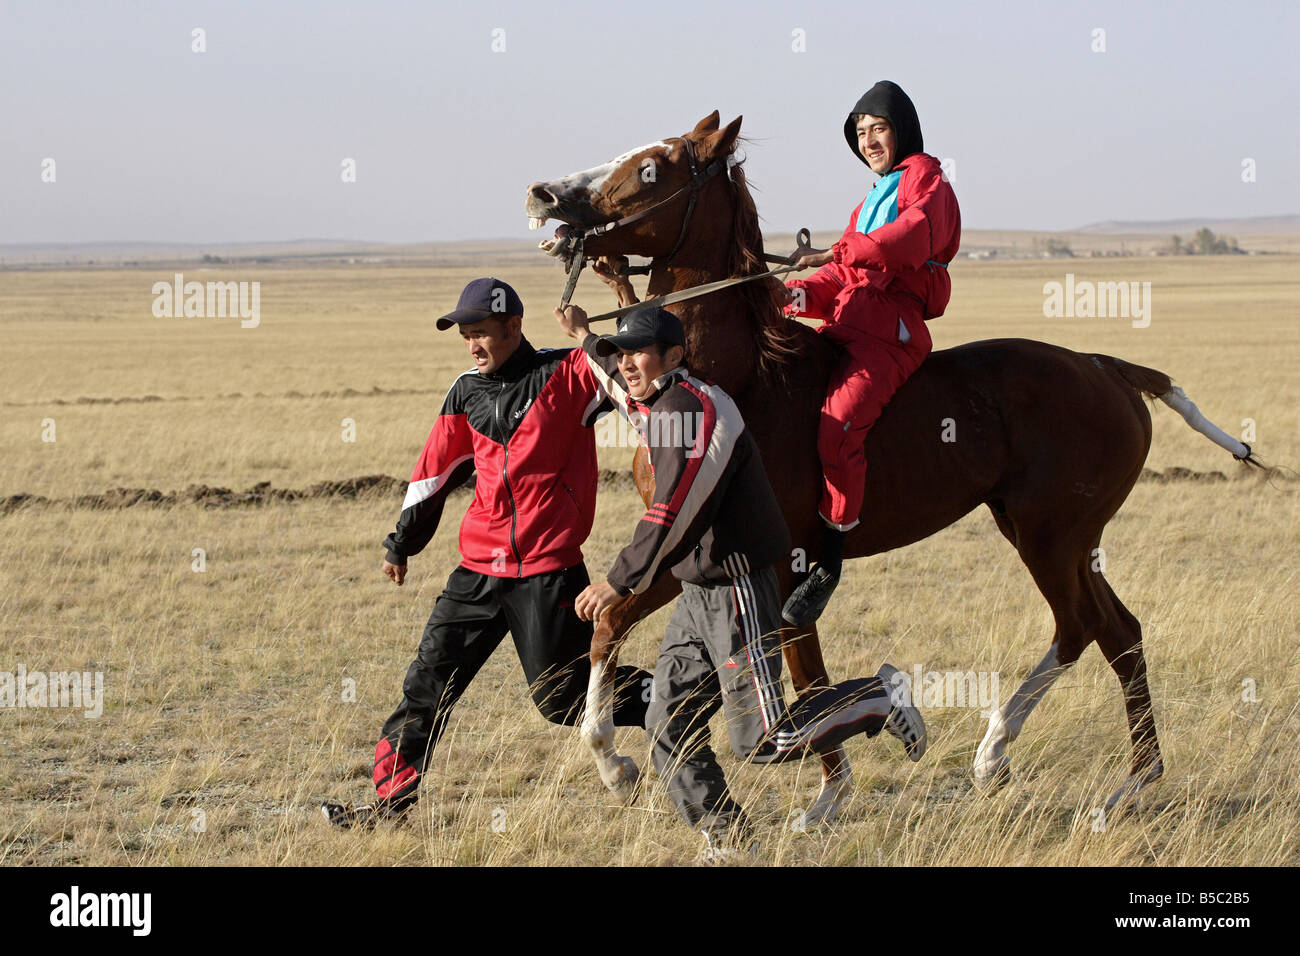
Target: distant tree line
{"type": "Point", "coordinates": [1204, 243]}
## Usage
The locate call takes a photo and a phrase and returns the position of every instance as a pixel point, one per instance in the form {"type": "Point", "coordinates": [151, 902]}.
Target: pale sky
{"type": "Point", "coordinates": [244, 142]}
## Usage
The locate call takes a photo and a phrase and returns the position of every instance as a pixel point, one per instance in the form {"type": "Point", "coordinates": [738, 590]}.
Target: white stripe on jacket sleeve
{"type": "Point", "coordinates": [418, 491]}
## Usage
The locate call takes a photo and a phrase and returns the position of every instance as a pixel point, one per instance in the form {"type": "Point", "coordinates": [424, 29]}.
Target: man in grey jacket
{"type": "Point", "coordinates": [716, 524]}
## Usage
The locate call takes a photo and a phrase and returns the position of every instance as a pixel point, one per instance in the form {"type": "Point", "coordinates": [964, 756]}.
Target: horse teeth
{"type": "Point", "coordinates": [535, 223]}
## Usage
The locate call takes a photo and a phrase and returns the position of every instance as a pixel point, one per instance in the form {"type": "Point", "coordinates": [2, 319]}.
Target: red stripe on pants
{"type": "Point", "coordinates": [392, 773]}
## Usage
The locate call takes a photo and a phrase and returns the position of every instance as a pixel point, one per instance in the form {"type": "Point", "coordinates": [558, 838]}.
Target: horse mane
{"type": "Point", "coordinates": [765, 301]}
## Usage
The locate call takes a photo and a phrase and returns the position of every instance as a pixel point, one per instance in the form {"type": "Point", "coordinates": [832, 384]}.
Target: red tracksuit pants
{"type": "Point", "coordinates": [870, 329]}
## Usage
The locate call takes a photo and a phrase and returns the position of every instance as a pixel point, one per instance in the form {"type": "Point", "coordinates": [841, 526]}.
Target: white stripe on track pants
{"type": "Point", "coordinates": [722, 649]}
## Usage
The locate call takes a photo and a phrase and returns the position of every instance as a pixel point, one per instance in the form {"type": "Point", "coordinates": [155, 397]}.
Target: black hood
{"type": "Point", "coordinates": [887, 99]}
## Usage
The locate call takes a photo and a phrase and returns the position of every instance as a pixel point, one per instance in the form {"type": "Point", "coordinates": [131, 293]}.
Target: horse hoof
{"type": "Point", "coordinates": [1126, 797]}
{"type": "Point", "coordinates": [991, 776]}
{"type": "Point", "coordinates": [622, 778]}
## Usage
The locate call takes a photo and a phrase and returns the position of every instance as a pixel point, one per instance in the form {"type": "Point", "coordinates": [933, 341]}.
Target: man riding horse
{"type": "Point", "coordinates": [875, 290]}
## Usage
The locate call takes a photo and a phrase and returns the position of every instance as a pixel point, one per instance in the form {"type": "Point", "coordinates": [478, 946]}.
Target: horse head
{"type": "Point", "coordinates": [637, 203]}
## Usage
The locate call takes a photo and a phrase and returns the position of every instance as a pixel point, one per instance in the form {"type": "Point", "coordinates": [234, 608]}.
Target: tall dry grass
{"type": "Point", "coordinates": [226, 721]}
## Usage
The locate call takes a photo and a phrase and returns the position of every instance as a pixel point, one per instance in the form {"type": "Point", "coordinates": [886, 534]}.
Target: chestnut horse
{"type": "Point", "coordinates": [1050, 440]}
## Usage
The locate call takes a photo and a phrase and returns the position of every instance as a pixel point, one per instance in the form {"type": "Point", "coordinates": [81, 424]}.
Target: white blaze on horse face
{"type": "Point", "coordinates": [591, 181]}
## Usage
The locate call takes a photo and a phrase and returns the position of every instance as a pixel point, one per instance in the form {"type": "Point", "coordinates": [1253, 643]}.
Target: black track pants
{"type": "Point", "coordinates": [471, 616]}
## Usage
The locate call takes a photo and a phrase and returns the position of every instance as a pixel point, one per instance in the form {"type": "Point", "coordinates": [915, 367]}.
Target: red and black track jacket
{"type": "Point", "coordinates": [714, 515]}
{"type": "Point", "coordinates": [525, 429]}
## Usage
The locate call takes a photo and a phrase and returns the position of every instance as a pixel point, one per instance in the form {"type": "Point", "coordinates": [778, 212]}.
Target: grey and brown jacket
{"type": "Point", "coordinates": [714, 516]}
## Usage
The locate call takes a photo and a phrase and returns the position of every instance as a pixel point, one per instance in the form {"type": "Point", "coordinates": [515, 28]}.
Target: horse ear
{"type": "Point", "coordinates": [721, 142]}
{"type": "Point", "coordinates": [708, 124]}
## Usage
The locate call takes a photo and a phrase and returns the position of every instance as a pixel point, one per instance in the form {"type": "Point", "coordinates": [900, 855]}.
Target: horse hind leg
{"type": "Point", "coordinates": [1061, 575]}
{"type": "Point", "coordinates": [992, 765]}
{"type": "Point", "coordinates": [1121, 642]}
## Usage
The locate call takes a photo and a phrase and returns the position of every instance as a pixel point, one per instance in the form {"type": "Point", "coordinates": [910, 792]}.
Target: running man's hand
{"type": "Point", "coordinates": [594, 600]}
{"type": "Point", "coordinates": [395, 571]}
{"type": "Point", "coordinates": [815, 260]}
{"type": "Point", "coordinates": [573, 320]}
{"type": "Point", "coordinates": [607, 269]}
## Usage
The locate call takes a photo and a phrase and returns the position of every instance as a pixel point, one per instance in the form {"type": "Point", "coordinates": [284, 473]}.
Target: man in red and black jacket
{"type": "Point", "coordinates": [521, 422]}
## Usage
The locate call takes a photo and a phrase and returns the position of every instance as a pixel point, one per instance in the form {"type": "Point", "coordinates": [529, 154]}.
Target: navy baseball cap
{"type": "Point", "coordinates": [483, 299]}
{"type": "Point", "coordinates": [643, 327]}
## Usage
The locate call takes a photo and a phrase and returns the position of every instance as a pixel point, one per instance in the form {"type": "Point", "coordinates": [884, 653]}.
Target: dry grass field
{"type": "Point", "coordinates": [227, 716]}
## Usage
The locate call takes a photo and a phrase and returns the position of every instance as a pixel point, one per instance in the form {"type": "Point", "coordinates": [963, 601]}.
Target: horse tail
{"type": "Point", "coordinates": [1157, 384]}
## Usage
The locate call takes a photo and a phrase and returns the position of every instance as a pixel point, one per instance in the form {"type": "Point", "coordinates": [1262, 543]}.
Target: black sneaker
{"type": "Point", "coordinates": [810, 598]}
{"type": "Point", "coordinates": [366, 816]}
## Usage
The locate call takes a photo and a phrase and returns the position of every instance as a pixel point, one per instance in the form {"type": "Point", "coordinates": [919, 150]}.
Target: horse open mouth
{"type": "Point", "coordinates": [544, 202]}
{"type": "Point", "coordinates": [561, 244]}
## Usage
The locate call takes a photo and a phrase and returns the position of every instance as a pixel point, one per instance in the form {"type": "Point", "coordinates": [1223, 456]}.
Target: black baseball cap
{"type": "Point", "coordinates": [483, 299]}
{"type": "Point", "coordinates": [643, 327]}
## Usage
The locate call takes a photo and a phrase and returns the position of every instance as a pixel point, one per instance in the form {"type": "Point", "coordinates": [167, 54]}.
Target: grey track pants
{"type": "Point", "coordinates": [723, 649]}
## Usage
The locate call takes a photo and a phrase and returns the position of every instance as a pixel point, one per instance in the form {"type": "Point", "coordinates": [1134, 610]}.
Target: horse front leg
{"type": "Point", "coordinates": [803, 656]}
{"type": "Point", "coordinates": [619, 773]}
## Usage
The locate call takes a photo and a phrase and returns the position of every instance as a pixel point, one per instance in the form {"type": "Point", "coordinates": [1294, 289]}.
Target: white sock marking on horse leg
{"type": "Point", "coordinates": [597, 719]}
{"type": "Point", "coordinates": [1005, 724]}
{"type": "Point", "coordinates": [617, 772]}
{"type": "Point", "coordinates": [1177, 399]}
{"type": "Point", "coordinates": [834, 789]}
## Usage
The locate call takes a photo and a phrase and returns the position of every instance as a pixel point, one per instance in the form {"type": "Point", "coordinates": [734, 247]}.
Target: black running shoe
{"type": "Point", "coordinates": [809, 599]}
{"type": "Point", "coordinates": [366, 816]}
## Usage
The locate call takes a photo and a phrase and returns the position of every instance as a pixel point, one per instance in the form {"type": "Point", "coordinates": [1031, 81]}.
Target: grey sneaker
{"type": "Point", "coordinates": [724, 853]}
{"type": "Point", "coordinates": [904, 721]}
{"type": "Point", "coordinates": [809, 599]}
{"type": "Point", "coordinates": [728, 843]}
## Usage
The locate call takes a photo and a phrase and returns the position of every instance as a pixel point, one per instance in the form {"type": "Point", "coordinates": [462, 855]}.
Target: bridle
{"type": "Point", "coordinates": [575, 259]}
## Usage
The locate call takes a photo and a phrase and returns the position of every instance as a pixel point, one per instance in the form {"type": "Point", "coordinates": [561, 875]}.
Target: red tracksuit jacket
{"type": "Point", "coordinates": [915, 232]}
{"type": "Point", "coordinates": [526, 431]}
